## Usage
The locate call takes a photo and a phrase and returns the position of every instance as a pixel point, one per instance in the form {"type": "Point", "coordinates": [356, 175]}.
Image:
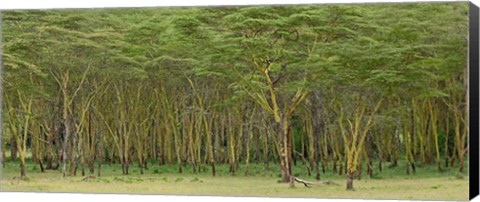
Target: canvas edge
{"type": "Point", "coordinates": [473, 102]}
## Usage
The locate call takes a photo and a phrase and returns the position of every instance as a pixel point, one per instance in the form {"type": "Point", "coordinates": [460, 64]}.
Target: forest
{"type": "Point", "coordinates": [301, 90]}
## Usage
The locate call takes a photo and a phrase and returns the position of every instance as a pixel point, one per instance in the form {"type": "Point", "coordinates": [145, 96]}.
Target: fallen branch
{"type": "Point", "coordinates": [294, 179]}
{"type": "Point", "coordinates": [89, 177]}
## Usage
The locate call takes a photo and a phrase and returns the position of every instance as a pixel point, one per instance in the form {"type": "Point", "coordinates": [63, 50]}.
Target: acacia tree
{"type": "Point", "coordinates": [18, 87]}
{"type": "Point", "coordinates": [264, 36]}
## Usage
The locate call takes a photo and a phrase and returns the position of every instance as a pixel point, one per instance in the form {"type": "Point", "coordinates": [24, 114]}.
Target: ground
{"type": "Point", "coordinates": [425, 184]}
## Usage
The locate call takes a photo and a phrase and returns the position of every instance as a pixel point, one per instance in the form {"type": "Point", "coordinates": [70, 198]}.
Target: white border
{"type": "Point", "coordinates": [59, 4]}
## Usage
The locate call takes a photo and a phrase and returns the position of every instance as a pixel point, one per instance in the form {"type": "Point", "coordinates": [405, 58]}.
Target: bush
{"type": "Point", "coordinates": [178, 179]}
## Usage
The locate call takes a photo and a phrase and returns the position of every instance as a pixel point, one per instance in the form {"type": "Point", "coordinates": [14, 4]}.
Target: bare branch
{"type": "Point", "coordinates": [79, 85]}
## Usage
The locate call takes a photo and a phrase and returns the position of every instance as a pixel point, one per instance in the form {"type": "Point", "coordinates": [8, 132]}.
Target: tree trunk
{"type": "Point", "coordinates": [72, 168]}
{"type": "Point", "coordinates": [65, 147]}
{"type": "Point", "coordinates": [13, 148]}
{"type": "Point", "coordinates": [140, 164]}
{"type": "Point", "coordinates": [350, 181]}
{"type": "Point", "coordinates": [23, 173]}
{"type": "Point", "coordinates": [125, 165]}
{"type": "Point", "coordinates": [285, 172]}
{"type": "Point", "coordinates": [91, 166]}
{"type": "Point", "coordinates": [316, 157]}
{"type": "Point", "coordinates": [247, 158]}
{"type": "Point", "coordinates": [460, 162]}
{"type": "Point", "coordinates": [446, 142]}
{"type": "Point", "coordinates": [49, 150]}
{"type": "Point", "coordinates": [380, 164]}
{"type": "Point", "coordinates": [407, 150]}
{"type": "Point", "coordinates": [98, 148]}
{"type": "Point", "coordinates": [3, 156]}
{"type": "Point", "coordinates": [340, 169]}
{"type": "Point", "coordinates": [395, 150]}
{"type": "Point", "coordinates": [285, 154]}
{"type": "Point", "coordinates": [42, 168]}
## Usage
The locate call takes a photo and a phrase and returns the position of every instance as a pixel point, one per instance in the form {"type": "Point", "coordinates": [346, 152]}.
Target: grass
{"type": "Point", "coordinates": [392, 183]}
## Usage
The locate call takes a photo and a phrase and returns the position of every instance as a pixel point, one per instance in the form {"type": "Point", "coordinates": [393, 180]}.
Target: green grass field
{"type": "Point", "coordinates": [392, 183]}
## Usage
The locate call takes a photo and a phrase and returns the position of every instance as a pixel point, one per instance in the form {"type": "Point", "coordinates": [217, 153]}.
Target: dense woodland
{"type": "Point", "coordinates": [326, 88]}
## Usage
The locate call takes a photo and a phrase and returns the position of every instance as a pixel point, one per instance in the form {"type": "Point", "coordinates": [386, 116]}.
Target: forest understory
{"type": "Point", "coordinates": [426, 184]}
